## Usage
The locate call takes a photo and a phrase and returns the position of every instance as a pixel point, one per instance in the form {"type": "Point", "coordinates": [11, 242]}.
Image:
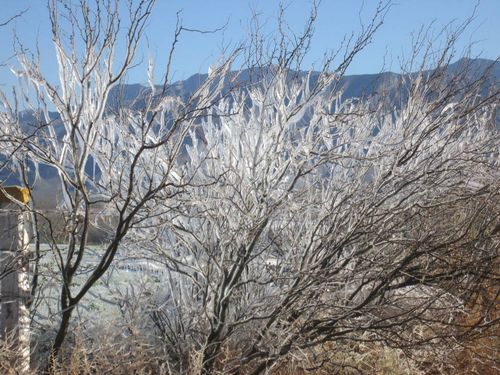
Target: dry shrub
{"type": "Point", "coordinates": [8, 363]}
{"type": "Point", "coordinates": [331, 358]}
{"type": "Point", "coordinates": [479, 353]}
{"type": "Point", "coordinates": [109, 353]}
{"type": "Point", "coordinates": [362, 358]}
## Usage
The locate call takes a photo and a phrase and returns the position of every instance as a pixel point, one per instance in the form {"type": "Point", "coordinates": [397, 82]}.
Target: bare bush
{"type": "Point", "coordinates": [312, 220]}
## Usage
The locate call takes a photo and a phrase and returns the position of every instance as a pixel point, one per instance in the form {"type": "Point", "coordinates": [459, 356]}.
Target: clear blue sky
{"type": "Point", "coordinates": [336, 18]}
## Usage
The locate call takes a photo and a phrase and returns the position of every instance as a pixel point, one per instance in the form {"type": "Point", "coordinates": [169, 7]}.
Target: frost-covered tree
{"type": "Point", "coordinates": [291, 222]}
{"type": "Point", "coordinates": [312, 223]}
{"type": "Point", "coordinates": [109, 160]}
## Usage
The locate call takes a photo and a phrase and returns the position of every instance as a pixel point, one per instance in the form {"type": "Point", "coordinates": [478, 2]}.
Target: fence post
{"type": "Point", "coordinates": [14, 283]}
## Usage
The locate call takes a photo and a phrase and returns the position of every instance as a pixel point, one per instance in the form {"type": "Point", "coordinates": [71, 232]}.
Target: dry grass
{"type": "Point", "coordinates": [9, 364]}
{"type": "Point", "coordinates": [135, 356]}
{"type": "Point", "coordinates": [362, 359]}
{"type": "Point", "coordinates": [107, 350]}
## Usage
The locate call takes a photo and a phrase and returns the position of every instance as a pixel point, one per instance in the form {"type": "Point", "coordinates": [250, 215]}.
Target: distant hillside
{"type": "Point", "coordinates": [359, 86]}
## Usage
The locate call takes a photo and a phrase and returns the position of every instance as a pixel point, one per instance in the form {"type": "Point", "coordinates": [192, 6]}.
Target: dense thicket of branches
{"type": "Point", "coordinates": [290, 225]}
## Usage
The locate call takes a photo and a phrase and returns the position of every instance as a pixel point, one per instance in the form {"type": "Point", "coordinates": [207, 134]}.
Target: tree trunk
{"type": "Point", "coordinates": [211, 352]}
{"type": "Point", "coordinates": [59, 340]}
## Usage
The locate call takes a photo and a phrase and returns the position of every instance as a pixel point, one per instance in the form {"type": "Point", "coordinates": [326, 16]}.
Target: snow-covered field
{"type": "Point", "coordinates": [126, 280]}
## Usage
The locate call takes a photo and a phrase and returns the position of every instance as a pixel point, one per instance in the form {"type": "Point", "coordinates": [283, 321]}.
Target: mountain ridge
{"type": "Point", "coordinates": [354, 85]}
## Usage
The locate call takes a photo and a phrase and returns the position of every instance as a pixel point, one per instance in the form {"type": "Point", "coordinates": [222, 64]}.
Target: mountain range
{"type": "Point", "coordinates": [359, 86]}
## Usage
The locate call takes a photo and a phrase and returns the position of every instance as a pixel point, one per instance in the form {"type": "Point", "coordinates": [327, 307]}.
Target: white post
{"type": "Point", "coordinates": [14, 283]}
